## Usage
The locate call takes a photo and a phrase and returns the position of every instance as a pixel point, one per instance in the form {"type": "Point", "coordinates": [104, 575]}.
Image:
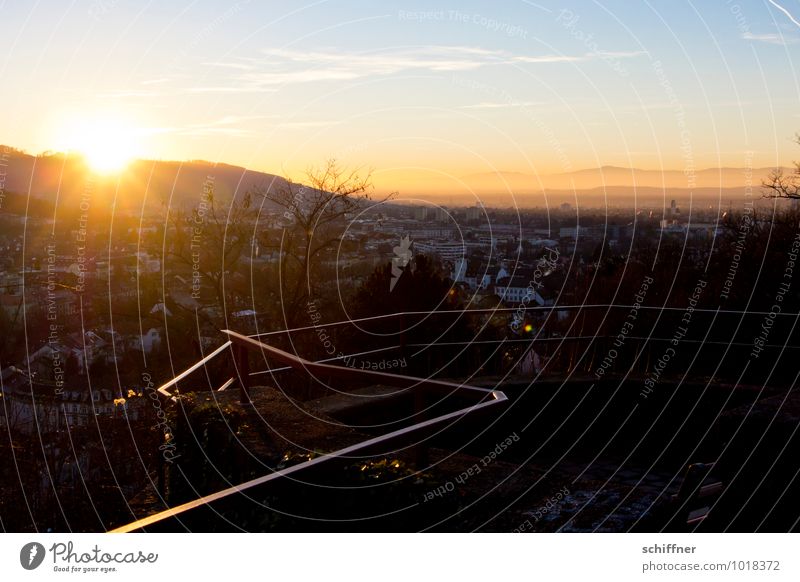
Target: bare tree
{"type": "Point", "coordinates": [209, 242]}
{"type": "Point", "coordinates": [314, 219]}
{"type": "Point", "coordinates": [781, 185]}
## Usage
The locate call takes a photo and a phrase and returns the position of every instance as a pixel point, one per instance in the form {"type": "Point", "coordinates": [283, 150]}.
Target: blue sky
{"type": "Point", "coordinates": [411, 88]}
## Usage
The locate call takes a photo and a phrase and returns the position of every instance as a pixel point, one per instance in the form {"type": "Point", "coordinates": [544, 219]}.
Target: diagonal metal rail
{"type": "Point", "coordinates": [484, 400]}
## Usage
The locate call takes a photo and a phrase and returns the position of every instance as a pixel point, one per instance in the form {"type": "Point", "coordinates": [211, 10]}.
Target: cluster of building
{"type": "Point", "coordinates": [506, 254]}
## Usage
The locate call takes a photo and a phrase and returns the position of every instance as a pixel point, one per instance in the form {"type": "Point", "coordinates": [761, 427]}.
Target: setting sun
{"type": "Point", "coordinates": [107, 144]}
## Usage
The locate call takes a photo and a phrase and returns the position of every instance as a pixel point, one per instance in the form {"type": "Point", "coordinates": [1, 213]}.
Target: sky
{"type": "Point", "coordinates": [421, 92]}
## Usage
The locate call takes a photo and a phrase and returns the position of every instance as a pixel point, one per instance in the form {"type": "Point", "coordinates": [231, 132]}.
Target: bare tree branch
{"type": "Point", "coordinates": [315, 214]}
{"type": "Point", "coordinates": [780, 185]}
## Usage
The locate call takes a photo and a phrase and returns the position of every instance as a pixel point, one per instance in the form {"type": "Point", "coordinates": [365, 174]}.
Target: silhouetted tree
{"type": "Point", "coordinates": [781, 185]}
{"type": "Point", "coordinates": [419, 287]}
{"type": "Point", "coordinates": [314, 217]}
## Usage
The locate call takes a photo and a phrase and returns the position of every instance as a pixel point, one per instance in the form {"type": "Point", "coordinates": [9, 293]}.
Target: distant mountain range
{"type": "Point", "coordinates": [147, 182]}
{"type": "Point", "coordinates": [614, 186]}
{"type": "Point", "coordinates": [614, 176]}
{"type": "Point", "coordinates": [180, 184]}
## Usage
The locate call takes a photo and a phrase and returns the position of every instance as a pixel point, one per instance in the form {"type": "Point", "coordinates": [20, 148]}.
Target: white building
{"type": "Point", "coordinates": [445, 250]}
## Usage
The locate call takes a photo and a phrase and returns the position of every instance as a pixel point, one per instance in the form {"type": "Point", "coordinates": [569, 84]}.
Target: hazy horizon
{"type": "Point", "coordinates": [608, 185]}
{"type": "Point", "coordinates": [424, 97]}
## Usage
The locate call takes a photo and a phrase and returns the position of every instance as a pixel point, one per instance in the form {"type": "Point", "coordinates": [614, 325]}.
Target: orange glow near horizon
{"type": "Point", "coordinates": [107, 143]}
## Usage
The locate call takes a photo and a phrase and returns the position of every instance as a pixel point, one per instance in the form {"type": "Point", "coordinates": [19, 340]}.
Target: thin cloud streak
{"type": "Point", "coordinates": [283, 66]}
{"type": "Point", "coordinates": [221, 126]}
{"type": "Point", "coordinates": [770, 38]}
{"type": "Point", "coordinates": [502, 105]}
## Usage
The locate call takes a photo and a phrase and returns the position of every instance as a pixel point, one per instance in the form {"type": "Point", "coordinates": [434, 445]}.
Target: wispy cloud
{"type": "Point", "coordinates": [338, 64]}
{"type": "Point", "coordinates": [548, 59]}
{"type": "Point", "coordinates": [503, 105]}
{"type": "Point", "coordinates": [306, 124]}
{"type": "Point", "coordinates": [217, 131]}
{"type": "Point", "coordinates": [651, 106]}
{"type": "Point", "coordinates": [129, 94]}
{"type": "Point", "coordinates": [229, 65]}
{"type": "Point", "coordinates": [282, 66]}
{"type": "Point", "coordinates": [229, 125]}
{"type": "Point", "coordinates": [230, 89]}
{"type": "Point", "coordinates": [618, 54]}
{"type": "Point", "coordinates": [577, 58]}
{"type": "Point", "coordinates": [770, 38]}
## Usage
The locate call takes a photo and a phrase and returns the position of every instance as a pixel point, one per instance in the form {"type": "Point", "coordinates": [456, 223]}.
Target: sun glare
{"type": "Point", "coordinates": [107, 144]}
